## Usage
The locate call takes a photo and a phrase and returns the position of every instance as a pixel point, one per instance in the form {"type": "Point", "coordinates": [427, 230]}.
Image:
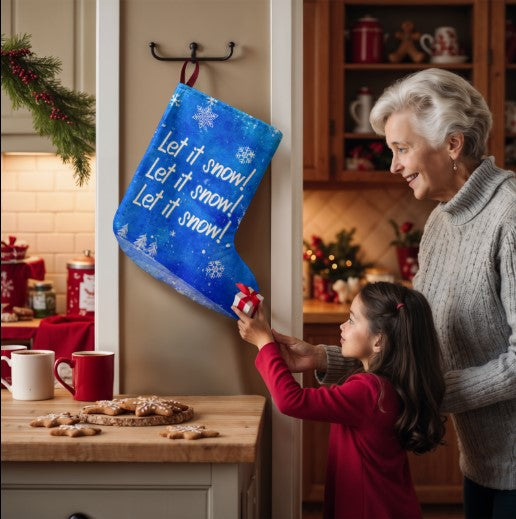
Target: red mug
{"type": "Point", "coordinates": [92, 375]}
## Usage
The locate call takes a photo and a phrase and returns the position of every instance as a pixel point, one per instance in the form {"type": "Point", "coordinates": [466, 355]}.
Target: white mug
{"type": "Point", "coordinates": [32, 373]}
{"type": "Point", "coordinates": [443, 43]}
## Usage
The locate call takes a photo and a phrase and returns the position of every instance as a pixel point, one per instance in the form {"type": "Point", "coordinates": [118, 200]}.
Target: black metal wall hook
{"type": "Point", "coordinates": [193, 57]}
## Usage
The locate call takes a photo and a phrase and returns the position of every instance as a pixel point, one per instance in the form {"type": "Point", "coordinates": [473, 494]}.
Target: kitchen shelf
{"type": "Point", "coordinates": [357, 180]}
{"type": "Point", "coordinates": [354, 135]}
{"type": "Point", "coordinates": [409, 3]}
{"type": "Point", "coordinates": [370, 177]}
{"type": "Point", "coordinates": [406, 66]}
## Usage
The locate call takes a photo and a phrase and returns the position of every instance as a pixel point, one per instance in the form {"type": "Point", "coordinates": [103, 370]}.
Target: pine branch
{"type": "Point", "coordinates": [66, 116]}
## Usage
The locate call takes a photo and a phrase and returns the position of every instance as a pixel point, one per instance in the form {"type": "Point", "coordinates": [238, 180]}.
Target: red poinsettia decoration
{"type": "Point", "coordinates": [406, 235]}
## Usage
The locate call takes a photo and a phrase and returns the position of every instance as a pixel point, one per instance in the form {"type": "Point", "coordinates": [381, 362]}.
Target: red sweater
{"type": "Point", "coordinates": [368, 475]}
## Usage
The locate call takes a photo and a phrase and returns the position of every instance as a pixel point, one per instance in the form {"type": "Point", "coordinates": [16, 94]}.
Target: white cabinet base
{"type": "Point", "coordinates": [114, 490]}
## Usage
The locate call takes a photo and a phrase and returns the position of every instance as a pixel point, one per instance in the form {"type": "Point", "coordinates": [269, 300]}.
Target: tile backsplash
{"type": "Point", "coordinates": [327, 212]}
{"type": "Point", "coordinates": [42, 205]}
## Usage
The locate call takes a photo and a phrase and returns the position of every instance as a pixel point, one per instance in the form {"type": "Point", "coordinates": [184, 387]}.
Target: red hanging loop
{"type": "Point", "coordinates": [195, 73]}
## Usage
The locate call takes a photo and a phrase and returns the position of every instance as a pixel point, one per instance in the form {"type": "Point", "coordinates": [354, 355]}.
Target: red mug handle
{"type": "Point", "coordinates": [56, 374]}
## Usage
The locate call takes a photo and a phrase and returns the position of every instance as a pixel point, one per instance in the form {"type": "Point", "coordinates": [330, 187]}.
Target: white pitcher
{"type": "Point", "coordinates": [360, 110]}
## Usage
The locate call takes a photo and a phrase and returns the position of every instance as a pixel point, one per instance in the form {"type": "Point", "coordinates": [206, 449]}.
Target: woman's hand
{"type": "Point", "coordinates": [255, 330]}
{"type": "Point", "coordinates": [300, 355]}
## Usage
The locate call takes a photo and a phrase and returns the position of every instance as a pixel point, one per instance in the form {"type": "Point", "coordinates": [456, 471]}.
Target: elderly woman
{"type": "Point", "coordinates": [437, 125]}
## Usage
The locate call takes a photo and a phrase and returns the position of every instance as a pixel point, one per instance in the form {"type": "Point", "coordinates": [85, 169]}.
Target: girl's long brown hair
{"type": "Point", "coordinates": [410, 358]}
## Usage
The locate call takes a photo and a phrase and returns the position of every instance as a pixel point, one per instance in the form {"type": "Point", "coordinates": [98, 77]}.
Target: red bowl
{"type": "Point", "coordinates": [20, 251]}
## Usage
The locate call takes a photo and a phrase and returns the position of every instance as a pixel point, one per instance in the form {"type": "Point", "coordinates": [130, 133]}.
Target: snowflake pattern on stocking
{"type": "Point", "coordinates": [7, 285]}
{"type": "Point", "coordinates": [214, 269]}
{"type": "Point", "coordinates": [245, 155]}
{"type": "Point", "coordinates": [175, 100]}
{"type": "Point", "coordinates": [204, 117]}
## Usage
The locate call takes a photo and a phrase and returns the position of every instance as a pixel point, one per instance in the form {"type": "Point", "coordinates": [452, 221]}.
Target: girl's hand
{"type": "Point", "coordinates": [255, 330]}
{"type": "Point", "coordinates": [300, 355]}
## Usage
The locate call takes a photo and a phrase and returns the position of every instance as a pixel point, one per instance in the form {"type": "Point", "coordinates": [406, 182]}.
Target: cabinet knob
{"type": "Point", "coordinates": [78, 515]}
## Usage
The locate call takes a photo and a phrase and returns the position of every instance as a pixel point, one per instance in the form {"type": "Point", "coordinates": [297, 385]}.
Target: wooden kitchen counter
{"type": "Point", "coordinates": [319, 312]}
{"type": "Point", "coordinates": [237, 418]}
{"type": "Point", "coordinates": [31, 323]}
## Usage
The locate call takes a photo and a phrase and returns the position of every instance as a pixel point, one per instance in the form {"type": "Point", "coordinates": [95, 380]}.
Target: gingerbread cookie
{"type": "Point", "coordinates": [24, 314]}
{"type": "Point", "coordinates": [9, 317]}
{"type": "Point", "coordinates": [109, 407]}
{"type": "Point", "coordinates": [152, 405]}
{"type": "Point", "coordinates": [75, 430]}
{"type": "Point", "coordinates": [188, 432]}
{"type": "Point", "coordinates": [55, 419]}
{"type": "Point", "coordinates": [408, 37]}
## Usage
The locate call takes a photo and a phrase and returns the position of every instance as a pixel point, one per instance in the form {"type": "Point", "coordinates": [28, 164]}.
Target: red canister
{"type": "Point", "coordinates": [80, 292]}
{"type": "Point", "coordinates": [367, 41]}
{"type": "Point", "coordinates": [15, 275]}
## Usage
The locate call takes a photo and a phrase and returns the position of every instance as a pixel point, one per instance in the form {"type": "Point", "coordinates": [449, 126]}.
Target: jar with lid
{"type": "Point", "coordinates": [367, 40]}
{"type": "Point", "coordinates": [43, 299]}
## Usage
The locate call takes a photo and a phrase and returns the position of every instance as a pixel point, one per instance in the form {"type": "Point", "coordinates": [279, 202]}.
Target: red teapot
{"type": "Point", "coordinates": [367, 41]}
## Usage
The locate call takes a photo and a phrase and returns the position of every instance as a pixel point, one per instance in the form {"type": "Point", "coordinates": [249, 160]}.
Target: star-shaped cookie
{"type": "Point", "coordinates": [109, 407]}
{"type": "Point", "coordinates": [188, 432]}
{"type": "Point", "coordinates": [75, 430]}
{"type": "Point", "coordinates": [145, 406]}
{"type": "Point", "coordinates": [54, 419]}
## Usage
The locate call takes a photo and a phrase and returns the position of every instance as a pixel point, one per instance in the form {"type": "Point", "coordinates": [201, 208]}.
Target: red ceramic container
{"type": "Point", "coordinates": [367, 41]}
{"type": "Point", "coordinates": [80, 290]}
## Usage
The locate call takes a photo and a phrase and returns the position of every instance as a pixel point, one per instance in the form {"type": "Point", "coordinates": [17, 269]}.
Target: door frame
{"type": "Point", "coordinates": [107, 328]}
{"type": "Point", "coordinates": [286, 213]}
{"type": "Point", "coordinates": [286, 94]}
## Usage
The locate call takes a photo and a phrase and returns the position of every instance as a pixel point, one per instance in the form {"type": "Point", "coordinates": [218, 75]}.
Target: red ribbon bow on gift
{"type": "Point", "coordinates": [250, 296]}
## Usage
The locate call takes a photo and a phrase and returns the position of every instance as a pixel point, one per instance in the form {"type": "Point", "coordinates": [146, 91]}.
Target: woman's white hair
{"type": "Point", "coordinates": [441, 103]}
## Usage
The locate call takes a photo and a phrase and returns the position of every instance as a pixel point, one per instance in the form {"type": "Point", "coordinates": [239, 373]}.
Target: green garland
{"type": "Point", "coordinates": [66, 116]}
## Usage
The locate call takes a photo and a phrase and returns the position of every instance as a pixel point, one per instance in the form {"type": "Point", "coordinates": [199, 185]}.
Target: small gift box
{"type": "Point", "coordinates": [14, 250]}
{"type": "Point", "coordinates": [247, 300]}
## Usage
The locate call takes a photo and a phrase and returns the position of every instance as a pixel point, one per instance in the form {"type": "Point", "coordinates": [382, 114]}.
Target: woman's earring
{"type": "Point", "coordinates": [454, 166]}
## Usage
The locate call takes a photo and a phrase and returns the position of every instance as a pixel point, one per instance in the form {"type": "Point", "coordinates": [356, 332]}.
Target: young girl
{"type": "Point", "coordinates": [376, 414]}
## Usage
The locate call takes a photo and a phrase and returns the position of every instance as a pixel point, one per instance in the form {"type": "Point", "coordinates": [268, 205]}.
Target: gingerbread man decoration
{"type": "Point", "coordinates": [407, 47]}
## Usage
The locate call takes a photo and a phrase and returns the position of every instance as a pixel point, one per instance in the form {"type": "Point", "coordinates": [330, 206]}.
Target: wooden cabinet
{"type": "Point", "coordinates": [436, 475]}
{"type": "Point", "coordinates": [328, 25]}
{"type": "Point", "coordinates": [316, 122]}
{"type": "Point", "coordinates": [64, 29]}
{"type": "Point", "coordinates": [107, 490]}
{"type": "Point", "coordinates": [502, 81]}
{"type": "Point", "coordinates": [315, 434]}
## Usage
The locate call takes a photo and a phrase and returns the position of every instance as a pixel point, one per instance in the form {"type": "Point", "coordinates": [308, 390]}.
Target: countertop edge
{"type": "Point", "coordinates": [238, 442]}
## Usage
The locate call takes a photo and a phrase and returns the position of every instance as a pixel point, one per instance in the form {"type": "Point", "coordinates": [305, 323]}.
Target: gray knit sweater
{"type": "Point", "coordinates": [467, 272]}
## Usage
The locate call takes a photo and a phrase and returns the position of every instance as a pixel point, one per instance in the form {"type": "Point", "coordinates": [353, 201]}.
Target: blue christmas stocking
{"type": "Point", "coordinates": [181, 211]}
